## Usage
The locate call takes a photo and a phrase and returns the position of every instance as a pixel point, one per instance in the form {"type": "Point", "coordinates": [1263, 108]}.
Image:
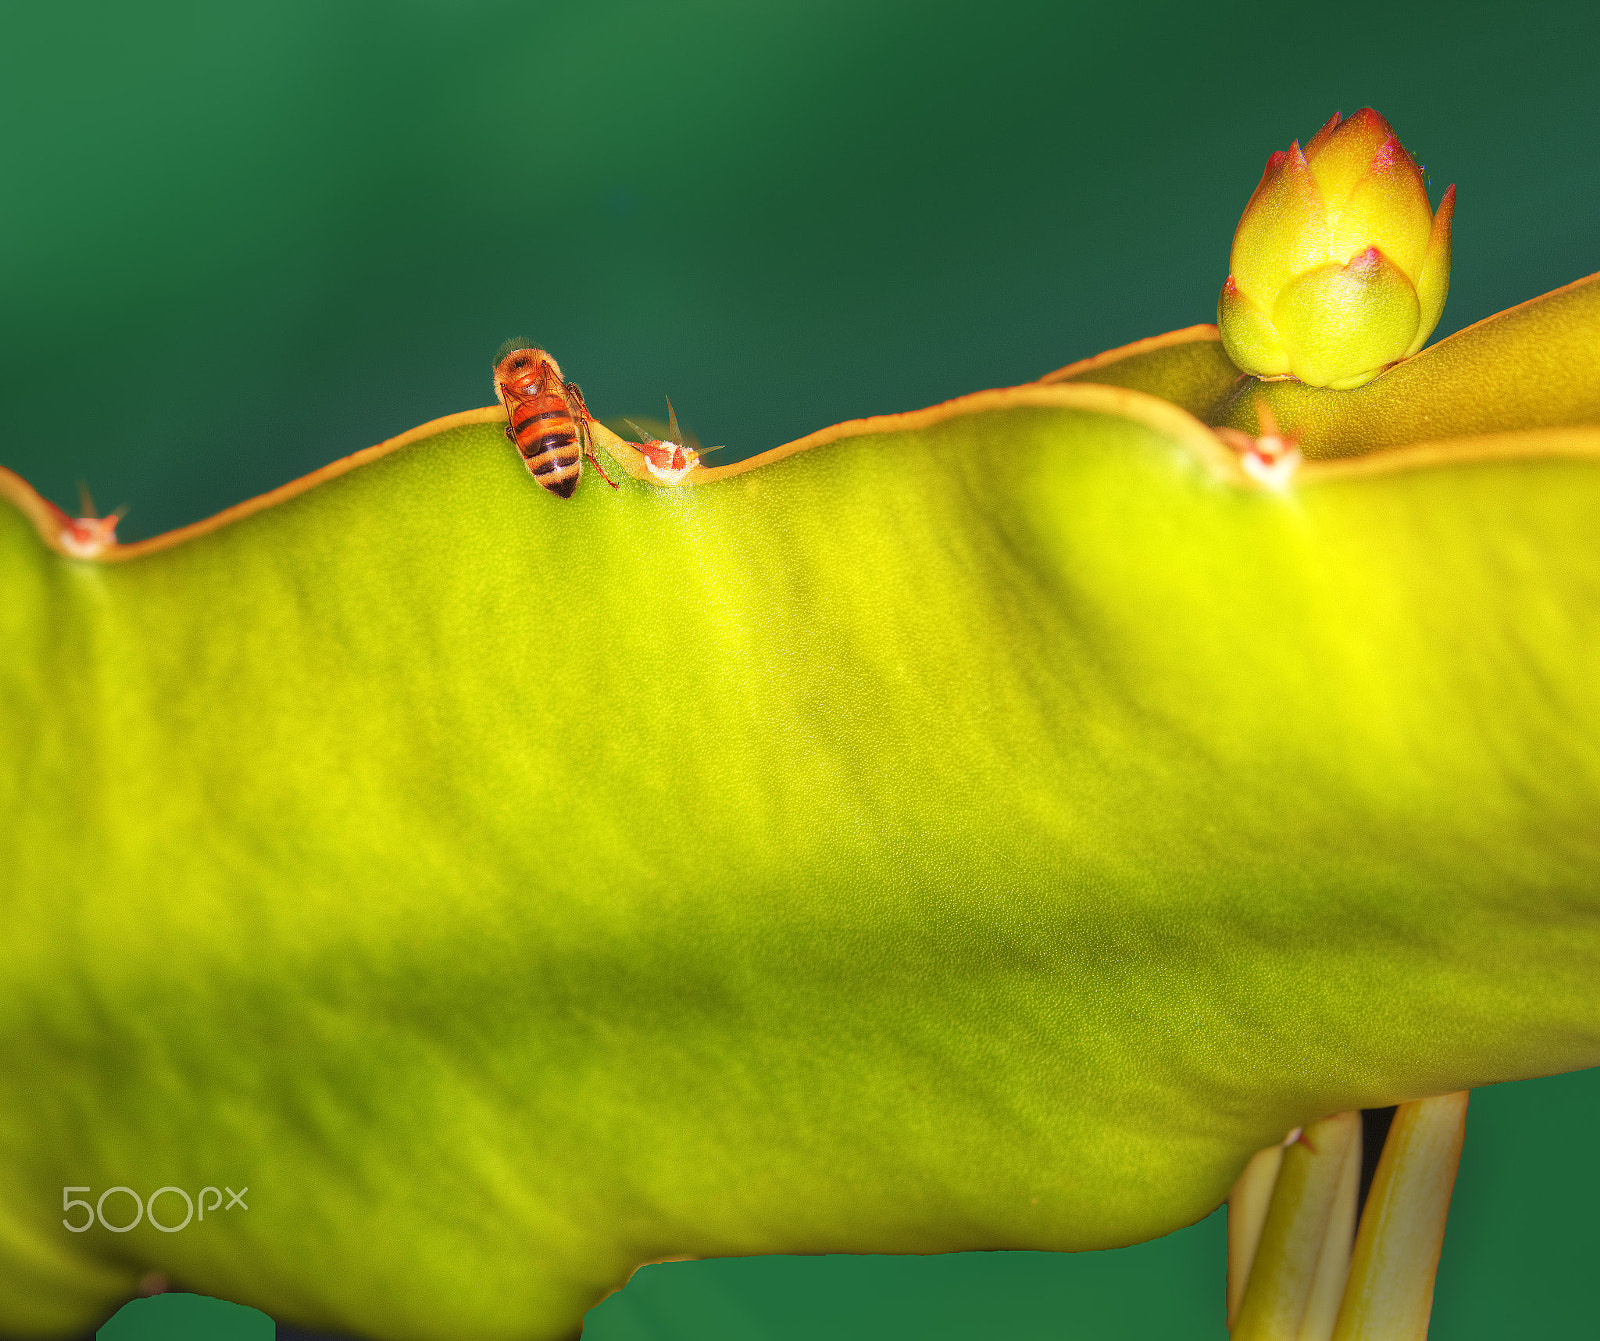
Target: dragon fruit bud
{"type": "Point", "coordinates": [1340, 266]}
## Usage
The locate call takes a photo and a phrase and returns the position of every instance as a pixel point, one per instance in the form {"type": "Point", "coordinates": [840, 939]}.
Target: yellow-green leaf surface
{"type": "Point", "coordinates": [979, 828]}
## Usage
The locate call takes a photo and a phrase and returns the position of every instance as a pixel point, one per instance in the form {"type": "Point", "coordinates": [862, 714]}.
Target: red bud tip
{"type": "Point", "coordinates": [1370, 259]}
{"type": "Point", "coordinates": [1274, 162]}
{"type": "Point", "coordinates": [1328, 127]}
{"type": "Point", "coordinates": [1387, 152]}
{"type": "Point", "coordinates": [1446, 212]}
{"type": "Point", "coordinates": [1296, 155]}
{"type": "Point", "coordinates": [1230, 288]}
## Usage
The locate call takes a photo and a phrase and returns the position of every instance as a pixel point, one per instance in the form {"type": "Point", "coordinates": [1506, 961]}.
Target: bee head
{"type": "Point", "coordinates": [515, 343]}
{"type": "Point", "coordinates": [518, 360]}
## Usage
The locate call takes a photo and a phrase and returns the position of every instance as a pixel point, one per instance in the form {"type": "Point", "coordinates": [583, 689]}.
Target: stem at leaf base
{"type": "Point", "coordinates": [1285, 1273]}
{"type": "Point", "coordinates": [1247, 1215]}
{"type": "Point", "coordinates": [1389, 1296]}
{"type": "Point", "coordinates": [1333, 1267]}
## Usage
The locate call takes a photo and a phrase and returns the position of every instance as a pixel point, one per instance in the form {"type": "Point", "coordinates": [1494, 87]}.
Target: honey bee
{"type": "Point", "coordinates": [549, 422]}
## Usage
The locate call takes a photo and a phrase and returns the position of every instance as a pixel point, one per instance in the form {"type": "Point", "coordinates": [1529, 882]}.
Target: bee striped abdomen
{"type": "Point", "coordinates": [547, 439]}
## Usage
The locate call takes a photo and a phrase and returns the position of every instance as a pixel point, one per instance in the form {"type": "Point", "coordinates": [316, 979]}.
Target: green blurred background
{"type": "Point", "coordinates": [242, 241]}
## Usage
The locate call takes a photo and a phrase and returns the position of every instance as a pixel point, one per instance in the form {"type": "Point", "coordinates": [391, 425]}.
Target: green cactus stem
{"type": "Point", "coordinates": [974, 828]}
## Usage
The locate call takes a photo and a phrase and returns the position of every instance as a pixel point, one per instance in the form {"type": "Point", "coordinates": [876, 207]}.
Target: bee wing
{"type": "Point", "coordinates": [505, 396]}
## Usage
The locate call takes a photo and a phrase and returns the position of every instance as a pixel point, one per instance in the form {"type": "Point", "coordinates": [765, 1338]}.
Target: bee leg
{"type": "Point", "coordinates": [580, 412]}
{"type": "Point", "coordinates": [510, 436]}
{"type": "Point", "coordinates": [595, 462]}
{"type": "Point", "coordinates": [576, 402]}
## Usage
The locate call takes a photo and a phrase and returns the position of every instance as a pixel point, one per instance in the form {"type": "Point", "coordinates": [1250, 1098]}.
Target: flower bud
{"type": "Point", "coordinates": [1340, 267]}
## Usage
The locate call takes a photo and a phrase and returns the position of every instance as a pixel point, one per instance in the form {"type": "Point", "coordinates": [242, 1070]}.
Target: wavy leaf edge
{"type": "Point", "coordinates": [1061, 389]}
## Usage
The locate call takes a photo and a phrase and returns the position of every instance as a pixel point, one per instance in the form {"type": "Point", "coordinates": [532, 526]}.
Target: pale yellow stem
{"type": "Point", "coordinates": [1247, 1213]}
{"type": "Point", "coordinates": [1286, 1262]}
{"type": "Point", "coordinates": [1390, 1293]}
{"type": "Point", "coordinates": [1333, 1267]}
